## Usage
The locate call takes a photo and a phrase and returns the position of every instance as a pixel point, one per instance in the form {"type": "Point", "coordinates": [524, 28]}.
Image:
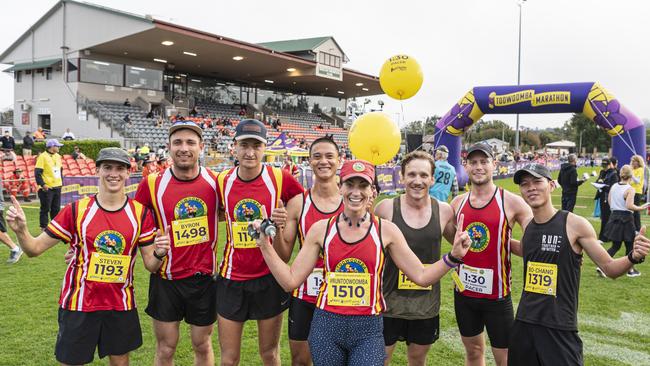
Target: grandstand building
{"type": "Point", "coordinates": [77, 65]}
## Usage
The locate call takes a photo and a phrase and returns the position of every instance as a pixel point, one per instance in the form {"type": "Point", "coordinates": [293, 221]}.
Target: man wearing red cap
{"type": "Point", "coordinates": [347, 324]}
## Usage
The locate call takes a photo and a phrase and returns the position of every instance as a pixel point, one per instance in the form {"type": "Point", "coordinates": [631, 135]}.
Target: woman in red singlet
{"type": "Point", "coordinates": [347, 324]}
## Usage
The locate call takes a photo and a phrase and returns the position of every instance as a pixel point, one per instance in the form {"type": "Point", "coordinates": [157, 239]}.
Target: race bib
{"type": "Point", "coordinates": [476, 279]}
{"type": "Point", "coordinates": [56, 172]}
{"type": "Point", "coordinates": [403, 283]}
{"type": "Point", "coordinates": [541, 278]}
{"type": "Point", "coordinates": [190, 231]}
{"type": "Point", "coordinates": [109, 268]}
{"type": "Point", "coordinates": [240, 236]}
{"type": "Point", "coordinates": [314, 280]}
{"type": "Point", "coordinates": [348, 289]}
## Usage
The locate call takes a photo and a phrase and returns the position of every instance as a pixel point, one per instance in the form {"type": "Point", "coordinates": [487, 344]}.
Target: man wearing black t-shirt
{"type": "Point", "coordinates": [546, 325]}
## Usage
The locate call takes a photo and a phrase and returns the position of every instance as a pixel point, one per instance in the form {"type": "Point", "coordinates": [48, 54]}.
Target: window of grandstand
{"type": "Point", "coordinates": [48, 73]}
{"type": "Point", "coordinates": [329, 59]}
{"type": "Point", "coordinates": [139, 77]}
{"type": "Point", "coordinates": [19, 76]}
{"type": "Point", "coordinates": [101, 72]}
{"type": "Point", "coordinates": [73, 70]}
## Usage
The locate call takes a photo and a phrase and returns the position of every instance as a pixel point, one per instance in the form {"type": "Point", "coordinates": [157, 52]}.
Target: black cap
{"type": "Point", "coordinates": [536, 170]}
{"type": "Point", "coordinates": [250, 129]}
{"type": "Point", "coordinates": [113, 154]}
{"type": "Point", "coordinates": [481, 146]}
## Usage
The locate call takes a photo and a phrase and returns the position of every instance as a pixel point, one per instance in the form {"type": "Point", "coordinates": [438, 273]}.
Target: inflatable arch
{"type": "Point", "coordinates": [591, 99]}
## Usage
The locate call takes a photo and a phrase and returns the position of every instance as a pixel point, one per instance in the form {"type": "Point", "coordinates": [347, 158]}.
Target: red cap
{"type": "Point", "coordinates": [358, 168]}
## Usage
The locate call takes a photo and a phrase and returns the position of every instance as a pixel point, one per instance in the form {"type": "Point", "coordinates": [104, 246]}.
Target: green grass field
{"type": "Point", "coordinates": [614, 315]}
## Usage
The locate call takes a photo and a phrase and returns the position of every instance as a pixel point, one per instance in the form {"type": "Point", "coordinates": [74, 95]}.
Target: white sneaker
{"type": "Point", "coordinates": [633, 273]}
{"type": "Point", "coordinates": [14, 256]}
{"type": "Point", "coordinates": [601, 273]}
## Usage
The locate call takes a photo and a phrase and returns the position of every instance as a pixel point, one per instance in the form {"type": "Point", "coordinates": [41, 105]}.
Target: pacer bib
{"type": "Point", "coordinates": [476, 279]}
{"type": "Point", "coordinates": [348, 289]}
{"type": "Point", "coordinates": [109, 268]}
{"type": "Point", "coordinates": [241, 239]}
{"type": "Point", "coordinates": [190, 231]}
{"type": "Point", "coordinates": [403, 283]}
{"type": "Point", "coordinates": [541, 278]}
{"type": "Point", "coordinates": [314, 280]}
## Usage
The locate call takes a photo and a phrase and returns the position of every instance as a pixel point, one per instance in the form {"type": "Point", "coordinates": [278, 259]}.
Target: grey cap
{"type": "Point", "coordinates": [113, 154]}
{"type": "Point", "coordinates": [483, 147]}
{"type": "Point", "coordinates": [186, 125]}
{"type": "Point", "coordinates": [250, 129]}
{"type": "Point", "coordinates": [536, 170]}
{"type": "Point", "coordinates": [442, 148]}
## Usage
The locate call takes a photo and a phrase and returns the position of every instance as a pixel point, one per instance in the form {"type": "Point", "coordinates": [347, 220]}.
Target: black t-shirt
{"type": "Point", "coordinates": [547, 255]}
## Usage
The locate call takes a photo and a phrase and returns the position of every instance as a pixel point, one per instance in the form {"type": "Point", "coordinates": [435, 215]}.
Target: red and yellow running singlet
{"type": "Point", "coordinates": [352, 272]}
{"type": "Point", "coordinates": [189, 208]}
{"type": "Point", "coordinates": [100, 275]}
{"type": "Point", "coordinates": [486, 271]}
{"type": "Point", "coordinates": [310, 215]}
{"type": "Point", "coordinates": [242, 202]}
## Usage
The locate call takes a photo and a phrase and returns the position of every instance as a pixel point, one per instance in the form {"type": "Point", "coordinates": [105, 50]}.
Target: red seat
{"type": "Point", "coordinates": [85, 172]}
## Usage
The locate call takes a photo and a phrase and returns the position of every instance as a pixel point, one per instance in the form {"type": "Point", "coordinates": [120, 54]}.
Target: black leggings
{"type": "Point", "coordinates": [616, 245]}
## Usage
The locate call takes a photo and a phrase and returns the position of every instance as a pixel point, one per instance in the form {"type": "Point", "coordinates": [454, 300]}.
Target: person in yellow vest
{"type": "Point", "coordinates": [48, 178]}
{"type": "Point", "coordinates": [638, 170]}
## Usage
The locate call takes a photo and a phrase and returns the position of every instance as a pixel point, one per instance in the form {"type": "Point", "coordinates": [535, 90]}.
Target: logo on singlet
{"type": "Point", "coordinates": [247, 210]}
{"type": "Point", "coordinates": [479, 234]}
{"type": "Point", "coordinates": [110, 242]}
{"type": "Point", "coordinates": [351, 265]}
{"type": "Point", "coordinates": [551, 243]}
{"type": "Point", "coordinates": [190, 207]}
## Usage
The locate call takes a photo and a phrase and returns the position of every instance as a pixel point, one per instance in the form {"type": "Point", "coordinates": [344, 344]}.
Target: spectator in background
{"type": "Point", "coordinates": [39, 135]}
{"type": "Point", "coordinates": [290, 166]}
{"type": "Point", "coordinates": [28, 144]}
{"type": "Point", "coordinates": [150, 114]}
{"type": "Point", "coordinates": [8, 155]}
{"type": "Point", "coordinates": [8, 141]}
{"type": "Point", "coordinates": [127, 119]}
{"type": "Point", "coordinates": [445, 181]}
{"type": "Point", "coordinates": [194, 112]}
{"type": "Point", "coordinates": [48, 178]}
{"type": "Point", "coordinates": [569, 182]}
{"type": "Point", "coordinates": [68, 135]}
{"type": "Point", "coordinates": [609, 178]}
{"type": "Point", "coordinates": [149, 167]}
{"type": "Point", "coordinates": [127, 103]}
{"type": "Point", "coordinates": [159, 122]}
{"type": "Point", "coordinates": [637, 182]}
{"type": "Point", "coordinates": [77, 154]}
{"type": "Point", "coordinates": [19, 184]}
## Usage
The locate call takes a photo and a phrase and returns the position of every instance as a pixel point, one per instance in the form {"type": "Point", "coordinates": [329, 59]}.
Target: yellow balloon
{"type": "Point", "coordinates": [374, 137]}
{"type": "Point", "coordinates": [400, 77]}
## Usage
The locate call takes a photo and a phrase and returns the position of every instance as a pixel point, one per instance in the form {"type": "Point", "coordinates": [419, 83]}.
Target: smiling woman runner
{"type": "Point", "coordinates": [347, 324]}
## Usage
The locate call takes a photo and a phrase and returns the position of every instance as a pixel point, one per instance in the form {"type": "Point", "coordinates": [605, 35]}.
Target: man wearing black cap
{"type": "Point", "coordinates": [246, 289]}
{"type": "Point", "coordinates": [483, 301]}
{"type": "Point", "coordinates": [546, 326]}
{"type": "Point", "coordinates": [184, 200]}
{"type": "Point", "coordinates": [97, 305]}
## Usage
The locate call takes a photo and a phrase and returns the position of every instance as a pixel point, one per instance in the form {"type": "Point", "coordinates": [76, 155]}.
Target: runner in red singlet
{"type": "Point", "coordinates": [321, 202]}
{"type": "Point", "coordinates": [484, 301]}
{"type": "Point", "coordinates": [347, 326]}
{"type": "Point", "coordinates": [184, 198]}
{"type": "Point", "coordinates": [246, 290]}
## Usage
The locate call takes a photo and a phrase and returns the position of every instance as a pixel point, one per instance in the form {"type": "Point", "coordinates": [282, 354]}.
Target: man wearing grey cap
{"type": "Point", "coordinates": [97, 307]}
{"type": "Point", "coordinates": [545, 331]}
{"type": "Point", "coordinates": [49, 180]}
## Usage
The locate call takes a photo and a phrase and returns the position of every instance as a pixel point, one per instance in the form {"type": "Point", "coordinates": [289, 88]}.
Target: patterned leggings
{"type": "Point", "coordinates": [351, 340]}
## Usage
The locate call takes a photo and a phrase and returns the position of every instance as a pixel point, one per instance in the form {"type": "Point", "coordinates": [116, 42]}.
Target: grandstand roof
{"type": "Point", "coordinates": [213, 56]}
{"type": "Point", "coordinates": [297, 45]}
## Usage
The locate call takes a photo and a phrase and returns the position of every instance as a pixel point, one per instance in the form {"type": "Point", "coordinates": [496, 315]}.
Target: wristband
{"type": "Point", "coordinates": [448, 263]}
{"type": "Point", "coordinates": [454, 260]}
{"type": "Point", "coordinates": [630, 257]}
{"type": "Point", "coordinates": [159, 257]}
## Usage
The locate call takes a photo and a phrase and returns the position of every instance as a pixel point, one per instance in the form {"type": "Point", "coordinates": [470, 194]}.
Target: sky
{"type": "Point", "coordinates": [458, 43]}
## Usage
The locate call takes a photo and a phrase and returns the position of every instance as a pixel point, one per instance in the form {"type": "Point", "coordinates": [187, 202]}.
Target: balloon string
{"type": "Point", "coordinates": [630, 145]}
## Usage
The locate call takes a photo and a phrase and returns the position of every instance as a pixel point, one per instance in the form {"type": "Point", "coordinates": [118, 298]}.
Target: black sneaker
{"type": "Point", "coordinates": [633, 273]}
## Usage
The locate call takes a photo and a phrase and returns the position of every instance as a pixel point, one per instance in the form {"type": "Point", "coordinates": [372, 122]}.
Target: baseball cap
{"type": "Point", "coordinates": [113, 154]}
{"type": "Point", "coordinates": [481, 146]}
{"type": "Point", "coordinates": [52, 143]}
{"type": "Point", "coordinates": [604, 162]}
{"type": "Point", "coordinates": [358, 168]}
{"type": "Point", "coordinates": [179, 125]}
{"type": "Point", "coordinates": [443, 148]}
{"type": "Point", "coordinates": [250, 129]}
{"type": "Point", "coordinates": [536, 170]}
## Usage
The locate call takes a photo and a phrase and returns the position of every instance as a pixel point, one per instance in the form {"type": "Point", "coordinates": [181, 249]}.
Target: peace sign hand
{"type": "Point", "coordinates": [16, 216]}
{"type": "Point", "coordinates": [462, 241]}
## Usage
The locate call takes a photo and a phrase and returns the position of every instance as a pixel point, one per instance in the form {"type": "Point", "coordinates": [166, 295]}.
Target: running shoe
{"type": "Point", "coordinates": [14, 256]}
{"type": "Point", "coordinates": [633, 273]}
{"type": "Point", "coordinates": [601, 273]}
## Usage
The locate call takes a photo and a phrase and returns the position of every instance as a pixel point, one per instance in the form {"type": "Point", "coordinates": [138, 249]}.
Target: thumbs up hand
{"type": "Point", "coordinates": [279, 215]}
{"type": "Point", "coordinates": [641, 245]}
{"type": "Point", "coordinates": [162, 242]}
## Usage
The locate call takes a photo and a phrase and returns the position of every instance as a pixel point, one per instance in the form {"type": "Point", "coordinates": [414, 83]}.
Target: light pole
{"type": "Point", "coordinates": [519, 3]}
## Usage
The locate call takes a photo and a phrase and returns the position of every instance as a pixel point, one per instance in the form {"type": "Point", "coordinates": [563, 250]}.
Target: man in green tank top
{"type": "Point", "coordinates": [412, 311]}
